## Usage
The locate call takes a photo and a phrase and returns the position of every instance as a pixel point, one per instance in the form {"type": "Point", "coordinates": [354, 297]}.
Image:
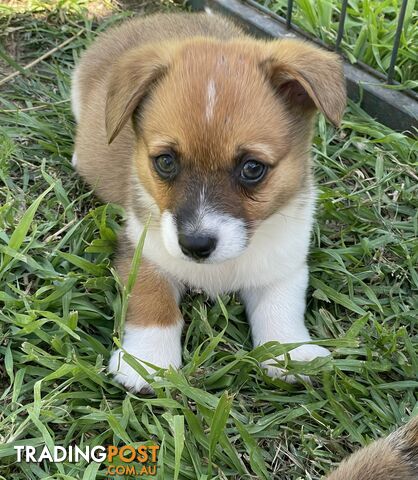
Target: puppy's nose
{"type": "Point", "coordinates": [198, 247]}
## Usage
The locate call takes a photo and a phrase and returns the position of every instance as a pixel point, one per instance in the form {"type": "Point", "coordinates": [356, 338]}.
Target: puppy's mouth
{"type": "Point", "coordinates": [215, 238]}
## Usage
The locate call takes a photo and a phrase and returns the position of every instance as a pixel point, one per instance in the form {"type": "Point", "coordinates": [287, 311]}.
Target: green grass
{"type": "Point", "coordinates": [369, 31]}
{"type": "Point", "coordinates": [219, 417]}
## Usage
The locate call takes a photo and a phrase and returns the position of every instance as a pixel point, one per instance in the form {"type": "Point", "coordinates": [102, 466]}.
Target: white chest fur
{"type": "Point", "coordinates": [278, 248]}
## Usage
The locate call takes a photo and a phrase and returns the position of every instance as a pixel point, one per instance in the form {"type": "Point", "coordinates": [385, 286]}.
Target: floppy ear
{"type": "Point", "coordinates": [132, 78]}
{"type": "Point", "coordinates": [306, 76]}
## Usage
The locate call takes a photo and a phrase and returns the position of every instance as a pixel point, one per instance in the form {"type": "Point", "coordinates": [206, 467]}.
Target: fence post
{"type": "Point", "coordinates": [396, 42]}
{"type": "Point", "coordinates": [289, 14]}
{"type": "Point", "coordinates": [341, 24]}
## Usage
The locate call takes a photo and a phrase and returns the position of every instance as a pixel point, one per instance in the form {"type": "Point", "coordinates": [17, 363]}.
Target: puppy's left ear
{"type": "Point", "coordinates": [132, 78]}
{"type": "Point", "coordinates": [305, 76]}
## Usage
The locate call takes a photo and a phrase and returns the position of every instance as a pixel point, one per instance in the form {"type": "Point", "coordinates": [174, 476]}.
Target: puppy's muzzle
{"type": "Point", "coordinates": [198, 247]}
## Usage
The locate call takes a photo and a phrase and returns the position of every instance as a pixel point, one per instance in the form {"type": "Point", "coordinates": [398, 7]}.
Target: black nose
{"type": "Point", "coordinates": [197, 247]}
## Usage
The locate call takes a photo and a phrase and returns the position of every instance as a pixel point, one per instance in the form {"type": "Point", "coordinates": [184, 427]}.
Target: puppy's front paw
{"type": "Point", "coordinates": [304, 353]}
{"type": "Point", "coordinates": [126, 375]}
{"type": "Point", "coordinates": [157, 345]}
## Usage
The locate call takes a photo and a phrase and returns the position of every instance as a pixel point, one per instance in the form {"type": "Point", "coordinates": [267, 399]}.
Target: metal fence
{"type": "Point", "coordinates": [389, 77]}
{"type": "Point", "coordinates": [397, 109]}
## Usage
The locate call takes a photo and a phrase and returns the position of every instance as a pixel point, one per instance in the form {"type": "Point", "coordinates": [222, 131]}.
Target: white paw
{"type": "Point", "coordinates": [74, 160]}
{"type": "Point", "coordinates": [157, 345]}
{"type": "Point", "coordinates": [304, 353]}
{"type": "Point", "coordinates": [126, 375]}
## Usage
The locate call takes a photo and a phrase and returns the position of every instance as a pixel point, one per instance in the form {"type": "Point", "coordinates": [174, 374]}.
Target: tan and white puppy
{"type": "Point", "coordinates": [185, 118]}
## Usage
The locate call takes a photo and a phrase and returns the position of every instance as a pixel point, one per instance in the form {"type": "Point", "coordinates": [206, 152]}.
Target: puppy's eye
{"type": "Point", "coordinates": [166, 165]}
{"type": "Point", "coordinates": [252, 171]}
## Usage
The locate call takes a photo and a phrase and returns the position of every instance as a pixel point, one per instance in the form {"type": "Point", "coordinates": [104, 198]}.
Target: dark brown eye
{"type": "Point", "coordinates": [166, 166]}
{"type": "Point", "coordinates": [252, 171]}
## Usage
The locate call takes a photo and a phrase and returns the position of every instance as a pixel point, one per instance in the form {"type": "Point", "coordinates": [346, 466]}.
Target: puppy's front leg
{"type": "Point", "coordinates": [153, 324]}
{"type": "Point", "coordinates": [276, 313]}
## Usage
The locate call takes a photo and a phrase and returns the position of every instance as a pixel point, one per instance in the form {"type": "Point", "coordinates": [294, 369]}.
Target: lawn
{"type": "Point", "coordinates": [219, 417]}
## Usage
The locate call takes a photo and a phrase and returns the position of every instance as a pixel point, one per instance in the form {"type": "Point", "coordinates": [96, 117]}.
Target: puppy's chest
{"type": "Point", "coordinates": [279, 247]}
{"type": "Point", "coordinates": [213, 279]}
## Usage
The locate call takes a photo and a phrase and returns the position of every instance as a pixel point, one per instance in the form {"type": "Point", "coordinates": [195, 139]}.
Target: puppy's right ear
{"type": "Point", "coordinates": [132, 78]}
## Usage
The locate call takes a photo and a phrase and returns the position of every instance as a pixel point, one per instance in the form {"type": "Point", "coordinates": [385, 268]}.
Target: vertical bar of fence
{"type": "Point", "coordinates": [396, 42]}
{"type": "Point", "coordinates": [341, 24]}
{"type": "Point", "coordinates": [289, 14]}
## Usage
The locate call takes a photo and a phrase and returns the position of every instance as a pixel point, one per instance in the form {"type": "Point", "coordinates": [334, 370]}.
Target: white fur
{"type": "Point", "coordinates": [276, 312]}
{"type": "Point", "coordinates": [210, 100]}
{"type": "Point", "coordinates": [277, 249]}
{"type": "Point", "coordinates": [74, 159]}
{"type": "Point", "coordinates": [168, 233]}
{"type": "Point", "coordinates": [160, 346]}
{"type": "Point", "coordinates": [304, 353]}
{"type": "Point", "coordinates": [229, 232]}
{"type": "Point", "coordinates": [142, 197]}
{"type": "Point", "coordinates": [270, 274]}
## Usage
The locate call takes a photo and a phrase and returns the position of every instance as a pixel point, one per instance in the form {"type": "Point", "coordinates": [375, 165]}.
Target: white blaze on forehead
{"type": "Point", "coordinates": [210, 99]}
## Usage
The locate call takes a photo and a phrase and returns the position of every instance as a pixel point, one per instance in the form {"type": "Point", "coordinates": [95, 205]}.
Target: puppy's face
{"type": "Point", "coordinates": [223, 131]}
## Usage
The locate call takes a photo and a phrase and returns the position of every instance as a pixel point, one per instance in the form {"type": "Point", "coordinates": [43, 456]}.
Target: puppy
{"type": "Point", "coordinates": [184, 120]}
{"type": "Point", "coordinates": [391, 458]}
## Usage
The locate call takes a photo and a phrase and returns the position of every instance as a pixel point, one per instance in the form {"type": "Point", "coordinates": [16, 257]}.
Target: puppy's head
{"type": "Point", "coordinates": [223, 133]}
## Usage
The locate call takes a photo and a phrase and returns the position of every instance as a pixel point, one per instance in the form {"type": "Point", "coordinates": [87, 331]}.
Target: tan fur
{"type": "Point", "coordinates": [392, 458]}
{"type": "Point", "coordinates": [107, 167]}
{"type": "Point", "coordinates": [144, 88]}
{"type": "Point", "coordinates": [180, 65]}
{"type": "Point", "coordinates": [143, 309]}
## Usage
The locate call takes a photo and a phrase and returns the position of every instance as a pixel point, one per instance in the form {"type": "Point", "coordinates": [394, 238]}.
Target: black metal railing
{"type": "Point", "coordinates": [398, 34]}
{"type": "Point", "coordinates": [386, 78]}
{"type": "Point", "coordinates": [341, 24]}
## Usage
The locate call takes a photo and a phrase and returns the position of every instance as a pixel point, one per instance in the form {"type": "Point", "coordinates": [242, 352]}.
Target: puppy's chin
{"type": "Point", "coordinates": [231, 234]}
